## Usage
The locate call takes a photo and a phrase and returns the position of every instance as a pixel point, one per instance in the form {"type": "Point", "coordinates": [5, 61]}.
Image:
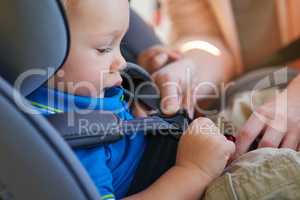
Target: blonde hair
{"type": "Point", "coordinates": [65, 2]}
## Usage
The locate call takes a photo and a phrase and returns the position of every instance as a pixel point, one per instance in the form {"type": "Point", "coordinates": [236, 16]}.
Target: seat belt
{"type": "Point", "coordinates": [102, 127]}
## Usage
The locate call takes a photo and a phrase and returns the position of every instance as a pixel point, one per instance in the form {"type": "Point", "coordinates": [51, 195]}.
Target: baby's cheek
{"type": "Point", "coordinates": [85, 82]}
{"type": "Point", "coordinates": [95, 83]}
{"type": "Point", "coordinates": [89, 72]}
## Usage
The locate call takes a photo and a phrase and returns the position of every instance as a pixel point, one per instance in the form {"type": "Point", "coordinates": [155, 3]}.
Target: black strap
{"type": "Point", "coordinates": [140, 88]}
{"type": "Point", "coordinates": [159, 156]}
{"type": "Point", "coordinates": [100, 127]}
{"type": "Point", "coordinates": [287, 54]}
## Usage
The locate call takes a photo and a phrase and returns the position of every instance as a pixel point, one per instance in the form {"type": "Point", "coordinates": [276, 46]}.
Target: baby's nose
{"type": "Point", "coordinates": [119, 64]}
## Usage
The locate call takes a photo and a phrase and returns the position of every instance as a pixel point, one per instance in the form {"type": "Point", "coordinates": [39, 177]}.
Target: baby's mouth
{"type": "Point", "coordinates": [117, 77]}
{"type": "Point", "coordinates": [119, 83]}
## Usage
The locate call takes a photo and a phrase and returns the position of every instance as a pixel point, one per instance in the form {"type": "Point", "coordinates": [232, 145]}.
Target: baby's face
{"type": "Point", "coordinates": [94, 61]}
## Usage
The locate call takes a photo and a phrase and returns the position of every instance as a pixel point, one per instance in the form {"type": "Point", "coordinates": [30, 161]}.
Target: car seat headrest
{"type": "Point", "coordinates": [34, 41]}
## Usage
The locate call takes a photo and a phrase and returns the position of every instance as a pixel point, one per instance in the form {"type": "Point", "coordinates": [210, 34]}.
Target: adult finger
{"type": "Point", "coordinates": [159, 60]}
{"type": "Point", "coordinates": [291, 140]}
{"type": "Point", "coordinates": [138, 111]}
{"type": "Point", "coordinates": [272, 138]}
{"type": "Point", "coordinates": [174, 55]}
{"type": "Point", "coordinates": [248, 134]}
{"type": "Point", "coordinates": [188, 104]}
{"type": "Point", "coordinates": [162, 58]}
{"type": "Point", "coordinates": [170, 92]}
{"type": "Point", "coordinates": [147, 58]}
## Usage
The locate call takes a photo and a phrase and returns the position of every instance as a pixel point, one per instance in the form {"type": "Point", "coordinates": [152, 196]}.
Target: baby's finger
{"type": "Point", "coordinates": [231, 148]}
{"type": "Point", "coordinates": [205, 126]}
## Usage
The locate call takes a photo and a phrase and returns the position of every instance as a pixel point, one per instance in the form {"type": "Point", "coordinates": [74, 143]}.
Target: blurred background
{"type": "Point", "coordinates": [153, 14]}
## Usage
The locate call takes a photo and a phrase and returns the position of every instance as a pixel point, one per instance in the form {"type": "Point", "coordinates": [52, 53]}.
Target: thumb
{"type": "Point", "coordinates": [170, 101]}
{"type": "Point", "coordinates": [160, 60]}
{"type": "Point", "coordinates": [175, 55]}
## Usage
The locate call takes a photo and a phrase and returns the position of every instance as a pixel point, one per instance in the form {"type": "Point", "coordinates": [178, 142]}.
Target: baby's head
{"type": "Point", "coordinates": [94, 61]}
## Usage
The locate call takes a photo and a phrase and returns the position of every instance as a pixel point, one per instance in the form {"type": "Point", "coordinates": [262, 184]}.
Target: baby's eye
{"type": "Point", "coordinates": [104, 50]}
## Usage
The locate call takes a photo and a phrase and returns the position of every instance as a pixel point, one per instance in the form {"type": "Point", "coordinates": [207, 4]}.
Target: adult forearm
{"type": "Point", "coordinates": [211, 57]}
{"type": "Point", "coordinates": [195, 27]}
{"type": "Point", "coordinates": [177, 183]}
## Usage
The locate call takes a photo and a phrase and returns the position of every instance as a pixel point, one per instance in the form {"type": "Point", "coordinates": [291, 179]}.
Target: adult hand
{"type": "Point", "coordinates": [192, 82]}
{"type": "Point", "coordinates": [277, 122]}
{"type": "Point", "coordinates": [173, 82]}
{"type": "Point", "coordinates": [153, 59]}
{"type": "Point", "coordinates": [194, 76]}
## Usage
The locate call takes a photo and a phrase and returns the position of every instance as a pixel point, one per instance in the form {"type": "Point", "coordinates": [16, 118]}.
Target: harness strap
{"type": "Point", "coordinates": [102, 127]}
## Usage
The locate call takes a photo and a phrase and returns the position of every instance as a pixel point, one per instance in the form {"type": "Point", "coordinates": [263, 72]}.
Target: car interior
{"type": "Point", "coordinates": [34, 44]}
{"type": "Point", "coordinates": [27, 27]}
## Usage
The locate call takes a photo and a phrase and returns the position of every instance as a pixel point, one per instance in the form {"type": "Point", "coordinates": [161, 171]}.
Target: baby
{"type": "Point", "coordinates": [90, 78]}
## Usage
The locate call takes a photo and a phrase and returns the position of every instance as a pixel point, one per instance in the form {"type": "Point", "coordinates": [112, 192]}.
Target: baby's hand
{"type": "Point", "coordinates": [157, 57]}
{"type": "Point", "coordinates": [202, 147]}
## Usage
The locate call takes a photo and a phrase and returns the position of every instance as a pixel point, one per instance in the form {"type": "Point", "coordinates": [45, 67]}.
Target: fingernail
{"type": "Point", "coordinates": [161, 59]}
{"type": "Point", "coordinates": [172, 108]}
{"type": "Point", "coordinates": [190, 113]}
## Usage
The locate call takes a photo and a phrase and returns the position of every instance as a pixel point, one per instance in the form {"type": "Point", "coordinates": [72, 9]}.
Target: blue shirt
{"type": "Point", "coordinates": [111, 166]}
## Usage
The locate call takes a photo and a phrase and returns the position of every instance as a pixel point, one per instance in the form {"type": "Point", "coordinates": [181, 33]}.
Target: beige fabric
{"type": "Point", "coordinates": [214, 18]}
{"type": "Point", "coordinates": [242, 105]}
{"type": "Point", "coordinates": [263, 174]}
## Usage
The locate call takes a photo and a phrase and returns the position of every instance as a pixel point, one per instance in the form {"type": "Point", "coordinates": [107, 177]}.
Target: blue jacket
{"type": "Point", "coordinates": [111, 166]}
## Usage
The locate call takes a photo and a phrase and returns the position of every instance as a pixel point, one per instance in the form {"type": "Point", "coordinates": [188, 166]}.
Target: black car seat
{"type": "Point", "coordinates": [35, 162]}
